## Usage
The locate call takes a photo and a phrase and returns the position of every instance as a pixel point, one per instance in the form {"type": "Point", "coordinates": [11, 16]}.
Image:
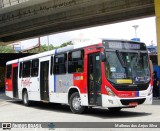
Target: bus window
{"type": "Point", "coordinates": [9, 71]}
{"type": "Point", "coordinates": [20, 70]}
{"type": "Point", "coordinates": [51, 69]}
{"type": "Point", "coordinates": [75, 61]}
{"type": "Point", "coordinates": [26, 69]}
{"type": "Point", "coordinates": [34, 68]}
{"type": "Point", "coordinates": [60, 63]}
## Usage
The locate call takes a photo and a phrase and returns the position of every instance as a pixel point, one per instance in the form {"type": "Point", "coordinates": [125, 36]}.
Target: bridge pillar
{"type": "Point", "coordinates": [157, 13]}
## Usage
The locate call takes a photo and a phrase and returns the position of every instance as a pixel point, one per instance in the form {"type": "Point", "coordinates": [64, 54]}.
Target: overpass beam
{"type": "Point", "coordinates": [157, 13]}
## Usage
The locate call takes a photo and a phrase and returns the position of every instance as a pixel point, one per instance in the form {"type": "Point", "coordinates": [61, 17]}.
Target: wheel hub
{"type": "Point", "coordinates": [25, 98]}
{"type": "Point", "coordinates": [76, 103]}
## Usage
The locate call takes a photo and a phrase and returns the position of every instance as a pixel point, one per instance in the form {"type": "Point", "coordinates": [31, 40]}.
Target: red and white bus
{"type": "Point", "coordinates": [112, 74]}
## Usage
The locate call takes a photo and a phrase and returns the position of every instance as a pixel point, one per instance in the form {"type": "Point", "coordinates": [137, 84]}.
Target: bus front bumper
{"type": "Point", "coordinates": [110, 101]}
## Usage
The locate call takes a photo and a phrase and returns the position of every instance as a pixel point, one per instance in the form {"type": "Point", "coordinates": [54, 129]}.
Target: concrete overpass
{"type": "Point", "coordinates": [39, 17]}
{"type": "Point", "coordinates": [22, 19]}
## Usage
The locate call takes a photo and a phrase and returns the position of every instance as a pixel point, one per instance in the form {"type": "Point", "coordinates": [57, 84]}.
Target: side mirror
{"type": "Point", "coordinates": [103, 57]}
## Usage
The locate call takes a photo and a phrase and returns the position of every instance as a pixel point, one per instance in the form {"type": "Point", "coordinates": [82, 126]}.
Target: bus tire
{"type": "Point", "coordinates": [114, 109]}
{"type": "Point", "coordinates": [26, 102]}
{"type": "Point", "coordinates": [75, 104]}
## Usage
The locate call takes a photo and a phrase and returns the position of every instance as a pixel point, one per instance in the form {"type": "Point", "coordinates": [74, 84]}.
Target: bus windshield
{"type": "Point", "coordinates": [127, 67]}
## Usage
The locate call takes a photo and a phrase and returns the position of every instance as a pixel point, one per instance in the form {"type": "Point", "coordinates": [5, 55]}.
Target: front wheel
{"type": "Point", "coordinates": [114, 109]}
{"type": "Point", "coordinates": [75, 104]}
{"type": "Point", "coordinates": [26, 102]}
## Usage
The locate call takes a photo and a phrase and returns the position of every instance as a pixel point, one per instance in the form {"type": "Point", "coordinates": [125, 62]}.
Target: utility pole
{"type": "Point", "coordinates": [135, 27]}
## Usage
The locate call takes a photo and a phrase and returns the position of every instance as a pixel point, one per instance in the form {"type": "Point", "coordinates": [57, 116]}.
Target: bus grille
{"type": "Point", "coordinates": [132, 88]}
{"type": "Point", "coordinates": [127, 101]}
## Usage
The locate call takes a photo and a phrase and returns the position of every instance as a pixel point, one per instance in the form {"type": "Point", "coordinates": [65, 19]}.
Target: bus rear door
{"type": "Point", "coordinates": [44, 79]}
{"type": "Point", "coordinates": [15, 81]}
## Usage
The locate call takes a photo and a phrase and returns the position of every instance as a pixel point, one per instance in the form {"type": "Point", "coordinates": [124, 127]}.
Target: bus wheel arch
{"type": "Point", "coordinates": [71, 91]}
{"type": "Point", "coordinates": [25, 99]}
{"type": "Point", "coordinates": [74, 101]}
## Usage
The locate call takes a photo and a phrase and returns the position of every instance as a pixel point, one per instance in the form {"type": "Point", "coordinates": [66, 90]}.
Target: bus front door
{"type": "Point", "coordinates": [44, 80]}
{"type": "Point", "coordinates": [94, 79]}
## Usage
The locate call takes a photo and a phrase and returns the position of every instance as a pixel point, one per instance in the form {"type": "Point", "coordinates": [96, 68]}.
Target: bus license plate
{"type": "Point", "coordinates": [133, 104]}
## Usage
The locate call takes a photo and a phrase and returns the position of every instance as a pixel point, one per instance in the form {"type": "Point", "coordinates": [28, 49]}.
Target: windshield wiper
{"type": "Point", "coordinates": [121, 59]}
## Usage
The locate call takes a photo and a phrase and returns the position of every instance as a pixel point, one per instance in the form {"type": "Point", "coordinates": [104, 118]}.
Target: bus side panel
{"type": "Point", "coordinates": [80, 81]}
{"type": "Point", "coordinates": [61, 86]}
{"type": "Point", "coordinates": [19, 83]}
{"type": "Point", "coordinates": [9, 90]}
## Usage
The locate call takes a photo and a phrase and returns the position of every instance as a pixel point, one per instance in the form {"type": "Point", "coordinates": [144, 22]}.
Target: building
{"type": "Point", "coordinates": [152, 49]}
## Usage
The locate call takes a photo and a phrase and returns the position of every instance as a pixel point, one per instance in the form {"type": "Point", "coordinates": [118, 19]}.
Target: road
{"type": "Point", "coordinates": [15, 111]}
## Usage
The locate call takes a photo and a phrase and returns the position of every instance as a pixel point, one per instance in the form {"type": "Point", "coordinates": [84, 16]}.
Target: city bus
{"type": "Point", "coordinates": [102, 73]}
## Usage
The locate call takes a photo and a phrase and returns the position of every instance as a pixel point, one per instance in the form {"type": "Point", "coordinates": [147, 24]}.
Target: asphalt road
{"type": "Point", "coordinates": [15, 111]}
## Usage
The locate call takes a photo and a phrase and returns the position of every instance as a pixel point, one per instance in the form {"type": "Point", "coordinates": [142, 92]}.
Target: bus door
{"type": "Point", "coordinates": [44, 80]}
{"type": "Point", "coordinates": [94, 79]}
{"type": "Point", "coordinates": [15, 82]}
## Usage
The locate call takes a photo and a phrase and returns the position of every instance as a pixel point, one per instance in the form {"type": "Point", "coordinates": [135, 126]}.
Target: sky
{"type": "Point", "coordinates": [123, 30]}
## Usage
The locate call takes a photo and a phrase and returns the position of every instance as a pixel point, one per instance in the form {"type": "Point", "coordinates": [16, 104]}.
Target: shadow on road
{"type": "Point", "coordinates": [101, 113]}
{"type": "Point", "coordinates": [104, 113]}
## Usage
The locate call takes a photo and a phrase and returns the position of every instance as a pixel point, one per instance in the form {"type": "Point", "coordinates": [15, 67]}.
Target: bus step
{"type": "Point", "coordinates": [44, 101]}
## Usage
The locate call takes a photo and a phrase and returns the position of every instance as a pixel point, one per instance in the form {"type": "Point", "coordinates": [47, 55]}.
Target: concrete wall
{"type": "Point", "coordinates": [7, 3]}
{"type": "Point", "coordinates": [2, 77]}
{"type": "Point", "coordinates": [1, 4]}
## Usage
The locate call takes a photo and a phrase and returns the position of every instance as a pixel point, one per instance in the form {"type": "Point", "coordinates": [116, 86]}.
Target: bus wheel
{"type": "Point", "coordinates": [114, 109]}
{"type": "Point", "coordinates": [25, 98]}
{"type": "Point", "coordinates": [75, 104]}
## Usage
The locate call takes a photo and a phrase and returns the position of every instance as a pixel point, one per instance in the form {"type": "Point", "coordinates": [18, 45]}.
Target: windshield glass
{"type": "Point", "coordinates": [127, 67]}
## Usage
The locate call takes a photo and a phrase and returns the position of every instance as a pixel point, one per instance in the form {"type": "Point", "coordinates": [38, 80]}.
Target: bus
{"type": "Point", "coordinates": [102, 73]}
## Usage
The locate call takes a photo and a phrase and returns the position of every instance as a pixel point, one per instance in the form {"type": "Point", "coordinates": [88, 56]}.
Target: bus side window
{"type": "Point", "coordinates": [20, 70]}
{"type": "Point", "coordinates": [9, 71]}
{"type": "Point", "coordinates": [75, 61]}
{"type": "Point", "coordinates": [60, 63]}
{"type": "Point", "coordinates": [35, 68]}
{"type": "Point", "coordinates": [26, 69]}
{"type": "Point", "coordinates": [51, 70]}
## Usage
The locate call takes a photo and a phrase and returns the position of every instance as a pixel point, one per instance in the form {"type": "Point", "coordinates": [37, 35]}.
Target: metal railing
{"type": "Point", "coordinates": [7, 3]}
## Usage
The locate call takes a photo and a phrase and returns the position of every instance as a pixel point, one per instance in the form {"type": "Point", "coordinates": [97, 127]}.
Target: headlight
{"type": "Point", "coordinates": [110, 92]}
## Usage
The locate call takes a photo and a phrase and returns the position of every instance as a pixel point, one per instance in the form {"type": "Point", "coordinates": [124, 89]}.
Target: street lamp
{"type": "Point", "coordinates": [135, 27]}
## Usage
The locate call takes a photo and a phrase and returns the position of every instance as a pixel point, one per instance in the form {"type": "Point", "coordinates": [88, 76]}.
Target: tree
{"type": "Point", "coordinates": [6, 49]}
{"type": "Point", "coordinates": [66, 44]}
{"type": "Point", "coordinates": [42, 48]}
{"type": "Point", "coordinates": [45, 47]}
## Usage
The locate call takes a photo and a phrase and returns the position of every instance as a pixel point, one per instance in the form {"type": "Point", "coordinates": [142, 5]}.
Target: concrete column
{"type": "Point", "coordinates": [157, 13]}
{"type": "Point", "coordinates": [1, 4]}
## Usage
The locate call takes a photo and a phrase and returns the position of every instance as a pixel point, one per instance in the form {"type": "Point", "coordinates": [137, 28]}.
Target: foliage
{"type": "Point", "coordinates": [6, 49]}
{"type": "Point", "coordinates": [43, 48]}
{"type": "Point", "coordinates": [67, 43]}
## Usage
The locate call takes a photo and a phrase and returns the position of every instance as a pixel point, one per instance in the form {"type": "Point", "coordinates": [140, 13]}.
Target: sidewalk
{"type": "Point", "coordinates": [156, 101]}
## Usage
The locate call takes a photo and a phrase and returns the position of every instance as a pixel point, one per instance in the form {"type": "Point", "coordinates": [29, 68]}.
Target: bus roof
{"type": "Point", "coordinates": [12, 62]}
{"type": "Point", "coordinates": [65, 49]}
